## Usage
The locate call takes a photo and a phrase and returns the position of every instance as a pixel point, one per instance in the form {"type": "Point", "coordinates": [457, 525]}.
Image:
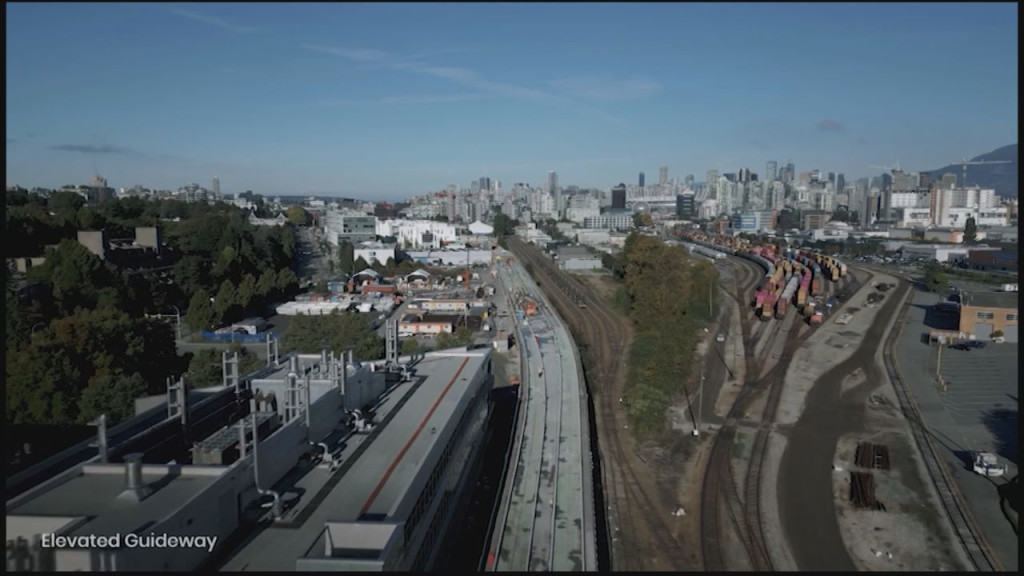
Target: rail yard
{"type": "Point", "coordinates": [807, 330]}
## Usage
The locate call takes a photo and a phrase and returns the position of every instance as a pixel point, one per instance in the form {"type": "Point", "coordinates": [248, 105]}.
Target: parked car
{"type": "Point", "coordinates": [720, 338]}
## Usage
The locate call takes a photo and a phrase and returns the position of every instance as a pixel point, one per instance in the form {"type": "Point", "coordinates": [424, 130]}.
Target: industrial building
{"type": "Point", "coordinates": [311, 464]}
{"type": "Point", "coordinates": [577, 258]}
{"type": "Point", "coordinates": [1001, 260]}
{"type": "Point", "coordinates": [983, 313]}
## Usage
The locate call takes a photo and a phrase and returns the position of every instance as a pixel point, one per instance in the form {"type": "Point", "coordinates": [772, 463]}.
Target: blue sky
{"type": "Point", "coordinates": [383, 101]}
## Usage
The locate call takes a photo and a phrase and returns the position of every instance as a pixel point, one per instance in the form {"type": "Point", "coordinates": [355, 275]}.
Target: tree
{"type": "Point", "coordinates": [462, 336]}
{"type": "Point", "coordinates": [409, 347]}
{"type": "Point", "coordinates": [321, 287]}
{"type": "Point", "coordinates": [247, 292]}
{"type": "Point", "coordinates": [297, 215]}
{"type": "Point", "coordinates": [346, 258]}
{"type": "Point", "coordinates": [101, 350]}
{"type": "Point", "coordinates": [359, 265]}
{"type": "Point", "coordinates": [970, 230]}
{"type": "Point", "coordinates": [225, 304]}
{"type": "Point", "coordinates": [77, 277]}
{"type": "Point", "coordinates": [111, 394]}
{"type": "Point", "coordinates": [308, 333]}
{"type": "Point", "coordinates": [504, 225]}
{"type": "Point", "coordinates": [200, 315]}
{"type": "Point", "coordinates": [934, 277]}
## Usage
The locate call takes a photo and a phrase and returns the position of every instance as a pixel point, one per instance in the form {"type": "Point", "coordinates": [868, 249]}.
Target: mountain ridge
{"type": "Point", "coordinates": [1000, 177]}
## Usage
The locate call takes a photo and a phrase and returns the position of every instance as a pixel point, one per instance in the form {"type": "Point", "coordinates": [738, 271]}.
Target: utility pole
{"type": "Point", "coordinates": [700, 399]}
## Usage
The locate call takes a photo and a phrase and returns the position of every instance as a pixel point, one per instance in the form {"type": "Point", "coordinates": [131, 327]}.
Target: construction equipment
{"type": "Point", "coordinates": [895, 168]}
{"type": "Point", "coordinates": [964, 163]}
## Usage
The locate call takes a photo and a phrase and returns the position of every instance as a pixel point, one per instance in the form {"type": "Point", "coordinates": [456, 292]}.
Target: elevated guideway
{"type": "Point", "coordinates": [547, 519]}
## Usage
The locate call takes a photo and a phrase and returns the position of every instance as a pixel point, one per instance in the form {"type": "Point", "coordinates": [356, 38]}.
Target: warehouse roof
{"type": "Point", "coordinates": [992, 300]}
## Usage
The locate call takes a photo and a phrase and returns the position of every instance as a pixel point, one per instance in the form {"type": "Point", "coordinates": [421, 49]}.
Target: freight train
{"type": "Point", "coordinates": [791, 275]}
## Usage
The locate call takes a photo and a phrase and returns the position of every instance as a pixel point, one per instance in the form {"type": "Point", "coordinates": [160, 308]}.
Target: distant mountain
{"type": "Point", "coordinates": [1001, 177]}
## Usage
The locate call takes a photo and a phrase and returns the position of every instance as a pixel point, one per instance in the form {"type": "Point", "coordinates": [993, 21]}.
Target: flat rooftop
{"type": "Point", "coordinates": [378, 468]}
{"type": "Point", "coordinates": [93, 495]}
{"type": "Point", "coordinates": [992, 300]}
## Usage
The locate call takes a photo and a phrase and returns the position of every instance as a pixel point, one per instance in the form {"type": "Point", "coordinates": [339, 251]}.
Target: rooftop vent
{"type": "Point", "coordinates": [135, 488]}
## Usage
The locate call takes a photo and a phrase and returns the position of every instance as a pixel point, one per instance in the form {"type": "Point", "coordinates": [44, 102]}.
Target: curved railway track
{"type": "Point", "coordinates": [719, 483]}
{"type": "Point", "coordinates": [635, 511]}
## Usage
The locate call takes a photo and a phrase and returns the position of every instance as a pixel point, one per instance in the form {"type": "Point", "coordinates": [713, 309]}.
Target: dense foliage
{"type": "Point", "coordinates": [337, 331]}
{"type": "Point", "coordinates": [78, 341]}
{"type": "Point", "coordinates": [87, 363]}
{"type": "Point", "coordinates": [668, 294]}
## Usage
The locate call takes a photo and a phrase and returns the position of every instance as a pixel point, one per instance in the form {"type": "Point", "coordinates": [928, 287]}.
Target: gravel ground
{"type": "Point", "coordinates": [913, 528]}
{"type": "Point", "coordinates": [832, 344]}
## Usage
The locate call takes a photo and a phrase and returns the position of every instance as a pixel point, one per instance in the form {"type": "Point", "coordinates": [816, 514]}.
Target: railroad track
{"type": "Point", "coordinates": [719, 484]}
{"type": "Point", "coordinates": [973, 541]}
{"type": "Point", "coordinates": [634, 511]}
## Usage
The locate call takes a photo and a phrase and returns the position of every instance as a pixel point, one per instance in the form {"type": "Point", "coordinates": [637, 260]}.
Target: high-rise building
{"type": "Point", "coordinates": [686, 206]}
{"type": "Point", "coordinates": [771, 171]}
{"type": "Point", "coordinates": [688, 182]}
{"type": "Point", "coordinates": [641, 179]}
{"type": "Point", "coordinates": [924, 180]}
{"type": "Point", "coordinates": [949, 180]}
{"type": "Point", "coordinates": [216, 187]}
{"type": "Point", "coordinates": [485, 184]}
{"type": "Point", "coordinates": [744, 175]}
{"type": "Point", "coordinates": [790, 172]}
{"type": "Point", "coordinates": [663, 175]}
{"type": "Point", "coordinates": [619, 197]}
{"type": "Point", "coordinates": [552, 181]}
{"type": "Point", "coordinates": [840, 182]}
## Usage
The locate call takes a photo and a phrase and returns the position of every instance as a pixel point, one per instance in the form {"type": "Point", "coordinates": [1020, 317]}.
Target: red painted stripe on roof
{"type": "Point", "coordinates": [401, 454]}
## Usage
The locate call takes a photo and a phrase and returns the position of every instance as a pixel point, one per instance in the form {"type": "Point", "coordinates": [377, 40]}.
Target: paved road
{"type": "Point", "coordinates": [977, 411]}
{"type": "Point", "coordinates": [806, 501]}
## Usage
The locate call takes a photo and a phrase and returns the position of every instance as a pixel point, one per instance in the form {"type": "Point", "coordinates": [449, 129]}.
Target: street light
{"type": "Point", "coordinates": [700, 398]}
{"type": "Point", "coordinates": [177, 318]}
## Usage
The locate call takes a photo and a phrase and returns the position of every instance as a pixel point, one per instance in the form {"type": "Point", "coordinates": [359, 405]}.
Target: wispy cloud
{"type": "Point", "coordinates": [607, 89]}
{"type": "Point", "coordinates": [432, 98]}
{"type": "Point", "coordinates": [468, 78]}
{"type": "Point", "coordinates": [93, 149]}
{"type": "Point", "coordinates": [214, 21]}
{"type": "Point", "coordinates": [830, 125]}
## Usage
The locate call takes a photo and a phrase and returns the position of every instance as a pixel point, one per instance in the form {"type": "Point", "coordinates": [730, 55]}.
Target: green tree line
{"type": "Point", "coordinates": [668, 293]}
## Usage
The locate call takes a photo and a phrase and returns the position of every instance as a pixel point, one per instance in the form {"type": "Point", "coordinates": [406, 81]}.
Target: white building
{"type": "Point", "coordinates": [375, 252]}
{"type": "Point", "coordinates": [592, 237]}
{"type": "Point", "coordinates": [609, 222]}
{"type": "Point", "coordinates": [914, 217]}
{"type": "Point", "coordinates": [418, 234]}
{"type": "Point", "coordinates": [349, 225]}
{"type": "Point", "coordinates": [481, 229]}
{"type": "Point", "coordinates": [583, 207]}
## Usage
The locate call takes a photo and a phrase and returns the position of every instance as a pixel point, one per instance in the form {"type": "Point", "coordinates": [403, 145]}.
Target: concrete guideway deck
{"type": "Point", "coordinates": [548, 496]}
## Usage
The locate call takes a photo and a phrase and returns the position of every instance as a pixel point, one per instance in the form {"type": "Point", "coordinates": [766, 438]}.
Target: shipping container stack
{"type": "Point", "coordinates": [787, 295]}
{"type": "Point", "coordinates": [805, 286]}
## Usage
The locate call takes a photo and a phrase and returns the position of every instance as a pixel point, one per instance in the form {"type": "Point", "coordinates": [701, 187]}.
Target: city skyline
{"type": "Point", "coordinates": [387, 101]}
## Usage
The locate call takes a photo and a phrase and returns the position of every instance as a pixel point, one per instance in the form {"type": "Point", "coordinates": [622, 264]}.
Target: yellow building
{"type": "Point", "coordinates": [984, 313]}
